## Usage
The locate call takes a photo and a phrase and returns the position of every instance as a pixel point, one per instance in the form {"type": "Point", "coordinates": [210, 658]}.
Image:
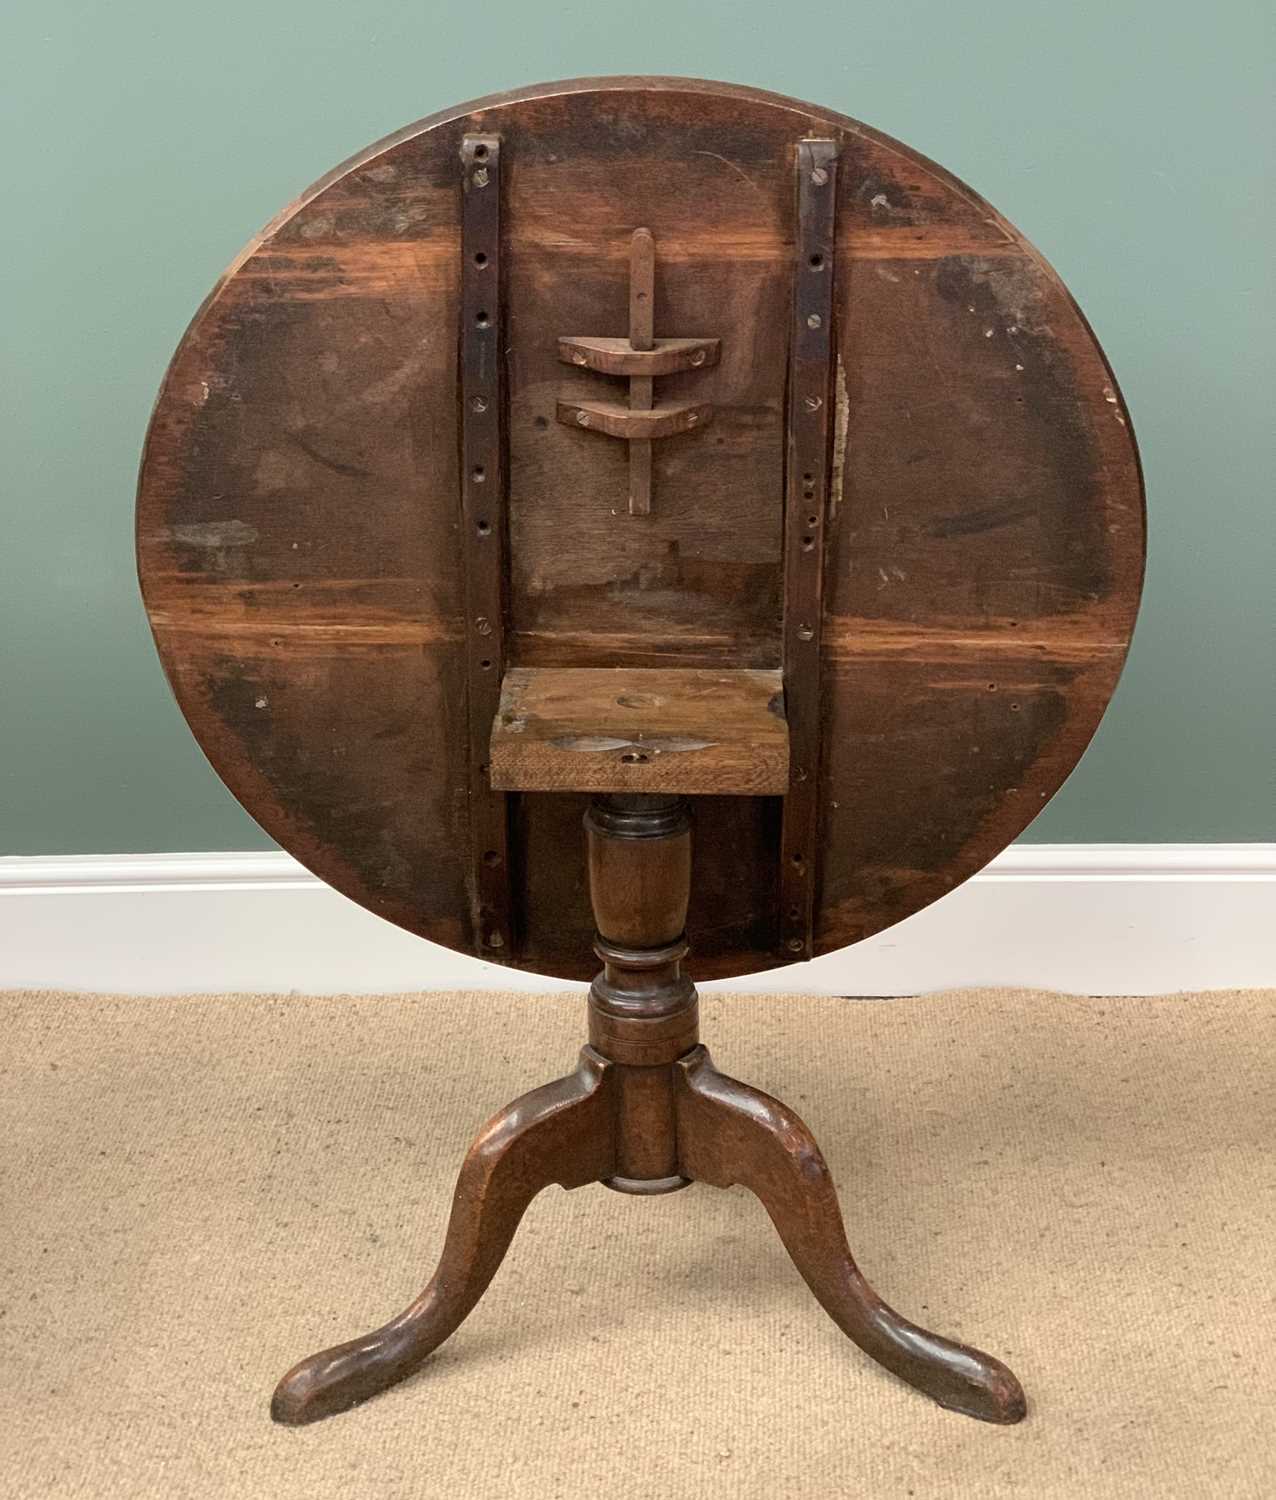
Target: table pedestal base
{"type": "Point", "coordinates": [647, 1112]}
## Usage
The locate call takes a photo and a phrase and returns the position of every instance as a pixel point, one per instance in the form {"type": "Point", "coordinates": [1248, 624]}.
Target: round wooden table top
{"type": "Point", "coordinates": [302, 541]}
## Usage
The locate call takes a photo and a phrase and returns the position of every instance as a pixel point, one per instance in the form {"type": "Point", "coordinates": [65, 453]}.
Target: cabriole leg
{"type": "Point", "coordinates": [564, 1133]}
{"type": "Point", "coordinates": [730, 1133]}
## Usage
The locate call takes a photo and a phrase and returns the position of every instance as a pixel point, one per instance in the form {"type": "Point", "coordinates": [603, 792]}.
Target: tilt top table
{"type": "Point", "coordinates": [661, 453]}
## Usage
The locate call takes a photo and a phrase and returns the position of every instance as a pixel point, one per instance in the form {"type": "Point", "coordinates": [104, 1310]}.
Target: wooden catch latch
{"type": "Point", "coordinates": [641, 357]}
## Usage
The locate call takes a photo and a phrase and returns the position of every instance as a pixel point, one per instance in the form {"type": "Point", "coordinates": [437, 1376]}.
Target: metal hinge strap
{"type": "Point", "coordinates": [808, 466]}
{"type": "Point", "coordinates": [484, 530]}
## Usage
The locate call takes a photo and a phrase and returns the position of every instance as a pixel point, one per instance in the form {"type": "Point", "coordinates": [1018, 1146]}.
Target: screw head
{"type": "Point", "coordinates": [814, 321]}
{"type": "Point", "coordinates": [794, 945]}
{"type": "Point", "coordinates": [819, 176]}
{"type": "Point", "coordinates": [805, 633]}
{"type": "Point", "coordinates": [483, 625]}
{"type": "Point", "coordinates": [578, 358]}
{"type": "Point", "coordinates": [813, 403]}
{"type": "Point", "coordinates": [478, 403]}
{"type": "Point", "coordinates": [692, 419]}
{"type": "Point", "coordinates": [698, 357]}
{"type": "Point", "coordinates": [582, 419]}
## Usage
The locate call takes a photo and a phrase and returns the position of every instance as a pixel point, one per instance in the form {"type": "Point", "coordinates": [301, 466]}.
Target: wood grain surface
{"type": "Point", "coordinates": [640, 729]}
{"type": "Point", "coordinates": [300, 514]}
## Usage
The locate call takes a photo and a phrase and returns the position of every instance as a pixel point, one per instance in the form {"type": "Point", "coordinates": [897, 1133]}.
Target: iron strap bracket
{"type": "Point", "coordinates": [808, 466]}
{"type": "Point", "coordinates": [484, 530]}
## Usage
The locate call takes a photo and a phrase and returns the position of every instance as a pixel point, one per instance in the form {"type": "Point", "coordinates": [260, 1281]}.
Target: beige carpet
{"type": "Point", "coordinates": [196, 1192]}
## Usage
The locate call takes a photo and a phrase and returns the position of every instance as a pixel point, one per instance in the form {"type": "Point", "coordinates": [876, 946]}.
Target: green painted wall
{"type": "Point", "coordinates": [147, 139]}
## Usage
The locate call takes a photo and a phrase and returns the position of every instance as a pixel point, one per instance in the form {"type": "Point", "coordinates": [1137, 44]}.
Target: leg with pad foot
{"type": "Point", "coordinates": [730, 1133]}
{"type": "Point", "coordinates": [564, 1133]}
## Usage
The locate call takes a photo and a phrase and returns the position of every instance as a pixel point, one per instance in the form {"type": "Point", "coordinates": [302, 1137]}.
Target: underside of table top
{"type": "Point", "coordinates": [306, 512]}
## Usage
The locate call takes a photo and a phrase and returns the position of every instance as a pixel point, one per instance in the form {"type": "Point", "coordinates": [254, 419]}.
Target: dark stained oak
{"type": "Point", "coordinates": [636, 729]}
{"type": "Point", "coordinates": [638, 424]}
{"type": "Point", "coordinates": [842, 578]}
{"type": "Point", "coordinates": [616, 356]}
{"type": "Point", "coordinates": [645, 1113]}
{"type": "Point", "coordinates": [730, 1133]}
{"type": "Point", "coordinates": [640, 357]}
{"type": "Point", "coordinates": [301, 541]}
{"type": "Point", "coordinates": [666, 1127]}
{"type": "Point", "coordinates": [559, 1133]}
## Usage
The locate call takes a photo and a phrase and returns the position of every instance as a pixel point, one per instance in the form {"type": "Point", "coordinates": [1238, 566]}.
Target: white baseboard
{"type": "Point", "coordinates": [1107, 919]}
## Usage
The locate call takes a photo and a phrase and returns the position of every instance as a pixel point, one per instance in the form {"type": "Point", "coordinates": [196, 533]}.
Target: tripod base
{"type": "Point", "coordinates": [645, 1112]}
{"type": "Point", "coordinates": [568, 1133]}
